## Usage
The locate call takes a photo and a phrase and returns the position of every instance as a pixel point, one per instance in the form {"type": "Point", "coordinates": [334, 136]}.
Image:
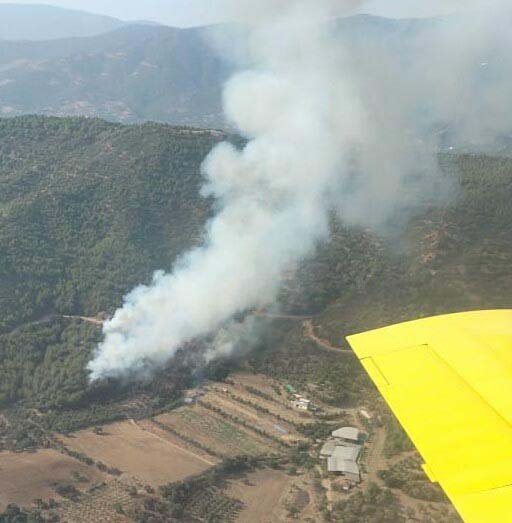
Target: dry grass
{"type": "Point", "coordinates": [263, 494]}
{"type": "Point", "coordinates": [138, 453]}
{"type": "Point", "coordinates": [25, 476]}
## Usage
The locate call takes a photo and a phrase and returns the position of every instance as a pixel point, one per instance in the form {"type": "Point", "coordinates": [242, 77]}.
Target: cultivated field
{"type": "Point", "coordinates": [99, 505]}
{"type": "Point", "coordinates": [246, 415]}
{"type": "Point", "coordinates": [212, 432]}
{"type": "Point", "coordinates": [271, 394]}
{"type": "Point", "coordinates": [139, 454]}
{"type": "Point", "coordinates": [26, 476]}
{"type": "Point", "coordinates": [268, 485]}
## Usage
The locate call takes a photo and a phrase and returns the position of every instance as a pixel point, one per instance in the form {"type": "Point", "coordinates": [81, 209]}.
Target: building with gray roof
{"type": "Point", "coordinates": [350, 434]}
{"type": "Point", "coordinates": [342, 458]}
{"type": "Point", "coordinates": [348, 468]}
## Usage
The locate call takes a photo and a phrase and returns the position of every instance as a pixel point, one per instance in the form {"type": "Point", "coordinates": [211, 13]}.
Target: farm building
{"type": "Point", "coordinates": [348, 434]}
{"type": "Point", "coordinates": [346, 453]}
{"type": "Point", "coordinates": [342, 458]}
{"type": "Point", "coordinates": [301, 403]}
{"type": "Point", "coordinates": [328, 448]}
{"type": "Point", "coordinates": [343, 461]}
{"type": "Point", "coordinates": [349, 469]}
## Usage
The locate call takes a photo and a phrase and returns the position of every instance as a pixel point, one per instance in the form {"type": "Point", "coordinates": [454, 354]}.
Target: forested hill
{"type": "Point", "coordinates": [89, 208]}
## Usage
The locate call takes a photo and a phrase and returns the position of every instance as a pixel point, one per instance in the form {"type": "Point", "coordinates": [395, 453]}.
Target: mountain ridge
{"type": "Point", "coordinates": [35, 22]}
{"type": "Point", "coordinates": [132, 74]}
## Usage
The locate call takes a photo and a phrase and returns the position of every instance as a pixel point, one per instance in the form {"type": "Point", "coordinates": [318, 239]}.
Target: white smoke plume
{"type": "Point", "coordinates": [330, 125]}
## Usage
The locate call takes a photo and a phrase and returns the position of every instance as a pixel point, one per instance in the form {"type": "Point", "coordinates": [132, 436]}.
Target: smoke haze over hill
{"type": "Point", "coordinates": [332, 124]}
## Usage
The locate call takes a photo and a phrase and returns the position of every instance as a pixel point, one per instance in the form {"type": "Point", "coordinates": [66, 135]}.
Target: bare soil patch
{"type": "Point", "coordinates": [143, 455]}
{"type": "Point", "coordinates": [27, 476]}
{"type": "Point", "coordinates": [186, 443]}
{"type": "Point", "coordinates": [263, 494]}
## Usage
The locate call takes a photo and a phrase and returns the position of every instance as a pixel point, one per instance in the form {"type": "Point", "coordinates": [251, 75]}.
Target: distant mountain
{"type": "Point", "coordinates": [43, 22]}
{"type": "Point", "coordinates": [138, 73]}
{"type": "Point", "coordinates": [133, 74]}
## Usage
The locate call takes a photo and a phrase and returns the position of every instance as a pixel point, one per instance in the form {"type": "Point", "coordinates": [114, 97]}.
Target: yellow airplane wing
{"type": "Point", "coordinates": [448, 380]}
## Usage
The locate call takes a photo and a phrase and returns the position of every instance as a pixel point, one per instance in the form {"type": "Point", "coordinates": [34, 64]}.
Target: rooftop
{"type": "Point", "coordinates": [335, 464]}
{"type": "Point", "coordinates": [346, 453]}
{"type": "Point", "coordinates": [349, 433]}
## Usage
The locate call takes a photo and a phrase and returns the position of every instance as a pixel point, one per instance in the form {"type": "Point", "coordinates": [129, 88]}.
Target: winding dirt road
{"type": "Point", "coordinates": [309, 331]}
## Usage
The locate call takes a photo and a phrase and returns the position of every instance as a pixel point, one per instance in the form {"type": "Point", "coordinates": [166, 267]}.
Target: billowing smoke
{"type": "Point", "coordinates": [333, 122]}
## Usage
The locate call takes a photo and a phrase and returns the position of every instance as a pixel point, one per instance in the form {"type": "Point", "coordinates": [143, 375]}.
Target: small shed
{"type": "Point", "coordinates": [365, 414]}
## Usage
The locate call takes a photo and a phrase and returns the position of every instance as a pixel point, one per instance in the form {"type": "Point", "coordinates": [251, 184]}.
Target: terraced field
{"type": "Point", "coordinates": [213, 432]}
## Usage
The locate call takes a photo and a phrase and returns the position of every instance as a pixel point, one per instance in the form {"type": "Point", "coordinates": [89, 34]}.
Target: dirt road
{"type": "Point", "coordinates": [50, 317]}
{"type": "Point", "coordinates": [94, 321]}
{"type": "Point", "coordinates": [376, 460]}
{"type": "Point", "coordinates": [309, 331]}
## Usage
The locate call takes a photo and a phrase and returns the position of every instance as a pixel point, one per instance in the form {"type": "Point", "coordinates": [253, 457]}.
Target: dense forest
{"type": "Point", "coordinates": [88, 209]}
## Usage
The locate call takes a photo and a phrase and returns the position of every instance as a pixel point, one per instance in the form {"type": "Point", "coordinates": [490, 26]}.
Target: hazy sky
{"type": "Point", "coordinates": [198, 12]}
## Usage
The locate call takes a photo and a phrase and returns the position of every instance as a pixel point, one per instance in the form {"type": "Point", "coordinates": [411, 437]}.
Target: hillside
{"type": "Point", "coordinates": [85, 191]}
{"type": "Point", "coordinates": [44, 22]}
{"type": "Point", "coordinates": [90, 208]}
{"type": "Point", "coordinates": [134, 74]}
{"type": "Point", "coordinates": [139, 73]}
